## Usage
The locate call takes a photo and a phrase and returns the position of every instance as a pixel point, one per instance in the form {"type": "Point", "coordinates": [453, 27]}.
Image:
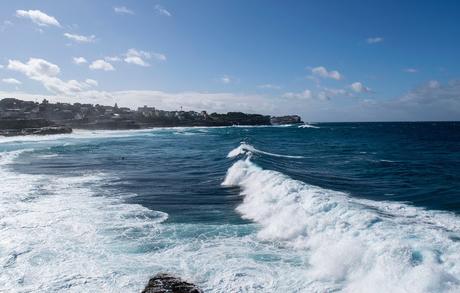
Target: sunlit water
{"type": "Point", "coordinates": [321, 208]}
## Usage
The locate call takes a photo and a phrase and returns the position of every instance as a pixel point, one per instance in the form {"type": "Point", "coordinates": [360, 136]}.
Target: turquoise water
{"type": "Point", "coordinates": [348, 207]}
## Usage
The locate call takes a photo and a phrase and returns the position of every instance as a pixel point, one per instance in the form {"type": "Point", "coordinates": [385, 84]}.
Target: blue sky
{"type": "Point", "coordinates": [324, 60]}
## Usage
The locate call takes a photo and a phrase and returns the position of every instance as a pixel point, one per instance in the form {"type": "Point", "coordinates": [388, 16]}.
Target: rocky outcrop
{"type": "Point", "coordinates": [283, 120]}
{"type": "Point", "coordinates": [165, 283]}
{"type": "Point", "coordinates": [13, 127]}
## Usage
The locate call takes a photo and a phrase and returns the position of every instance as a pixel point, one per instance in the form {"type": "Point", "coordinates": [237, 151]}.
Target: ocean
{"type": "Point", "coordinates": [326, 207]}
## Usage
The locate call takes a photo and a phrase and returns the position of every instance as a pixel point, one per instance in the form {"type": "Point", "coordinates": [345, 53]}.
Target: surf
{"type": "Point", "coordinates": [352, 244]}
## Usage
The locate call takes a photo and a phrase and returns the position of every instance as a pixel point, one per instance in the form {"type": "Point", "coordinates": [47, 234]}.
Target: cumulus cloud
{"type": "Point", "coordinates": [123, 10]}
{"type": "Point", "coordinates": [79, 60]}
{"type": "Point", "coordinates": [47, 74]}
{"type": "Point", "coordinates": [321, 71]}
{"type": "Point", "coordinates": [140, 58]}
{"type": "Point", "coordinates": [374, 40]}
{"type": "Point", "coordinates": [11, 81]}
{"type": "Point", "coordinates": [101, 65]}
{"type": "Point", "coordinates": [358, 87]}
{"type": "Point", "coordinates": [38, 17]}
{"type": "Point", "coordinates": [162, 11]}
{"type": "Point", "coordinates": [80, 38]}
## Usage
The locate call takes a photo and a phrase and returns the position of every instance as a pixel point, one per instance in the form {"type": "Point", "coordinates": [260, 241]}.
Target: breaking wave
{"type": "Point", "coordinates": [245, 149]}
{"type": "Point", "coordinates": [351, 244]}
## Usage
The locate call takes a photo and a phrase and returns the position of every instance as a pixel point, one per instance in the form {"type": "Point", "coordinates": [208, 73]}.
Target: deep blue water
{"type": "Point", "coordinates": [385, 195]}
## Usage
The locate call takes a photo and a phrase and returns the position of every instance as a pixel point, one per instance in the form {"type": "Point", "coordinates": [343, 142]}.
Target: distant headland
{"type": "Point", "coordinates": [19, 117]}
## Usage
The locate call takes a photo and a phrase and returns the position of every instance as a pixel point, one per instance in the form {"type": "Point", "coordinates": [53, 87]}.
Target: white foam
{"type": "Point", "coordinates": [57, 236]}
{"type": "Point", "coordinates": [308, 126]}
{"type": "Point", "coordinates": [67, 234]}
{"type": "Point", "coordinates": [352, 245]}
{"type": "Point", "coordinates": [245, 149]}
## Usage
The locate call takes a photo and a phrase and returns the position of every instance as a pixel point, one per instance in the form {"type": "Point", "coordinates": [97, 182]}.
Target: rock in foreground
{"type": "Point", "coordinates": [165, 283]}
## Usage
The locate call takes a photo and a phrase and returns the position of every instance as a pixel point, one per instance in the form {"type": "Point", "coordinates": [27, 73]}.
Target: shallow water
{"type": "Point", "coordinates": [350, 207]}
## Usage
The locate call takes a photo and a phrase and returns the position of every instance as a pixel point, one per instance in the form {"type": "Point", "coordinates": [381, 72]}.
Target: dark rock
{"type": "Point", "coordinates": [165, 283]}
{"type": "Point", "coordinates": [283, 120]}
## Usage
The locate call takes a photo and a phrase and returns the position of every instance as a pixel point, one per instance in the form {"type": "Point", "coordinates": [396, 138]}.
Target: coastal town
{"type": "Point", "coordinates": [18, 117]}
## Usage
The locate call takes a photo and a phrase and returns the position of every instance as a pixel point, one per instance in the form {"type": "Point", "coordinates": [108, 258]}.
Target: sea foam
{"type": "Point", "coordinates": [352, 245]}
{"type": "Point", "coordinates": [56, 235]}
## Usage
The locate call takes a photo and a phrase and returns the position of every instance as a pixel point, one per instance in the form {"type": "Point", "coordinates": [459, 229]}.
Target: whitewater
{"type": "Point", "coordinates": [85, 227]}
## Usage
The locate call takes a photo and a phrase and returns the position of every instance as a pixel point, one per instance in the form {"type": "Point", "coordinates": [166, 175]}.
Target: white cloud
{"type": "Point", "coordinates": [46, 73]}
{"type": "Point", "coordinates": [38, 17]}
{"type": "Point", "coordinates": [358, 87]}
{"type": "Point", "coordinates": [11, 81]}
{"type": "Point", "coordinates": [269, 86]}
{"type": "Point", "coordinates": [81, 38]}
{"type": "Point", "coordinates": [123, 10]}
{"type": "Point", "coordinates": [35, 67]}
{"type": "Point", "coordinates": [306, 94]}
{"type": "Point", "coordinates": [321, 71]}
{"type": "Point", "coordinates": [410, 70]}
{"type": "Point", "coordinates": [91, 82]}
{"type": "Point", "coordinates": [101, 65]}
{"type": "Point", "coordinates": [79, 60]}
{"type": "Point", "coordinates": [137, 57]}
{"type": "Point", "coordinates": [162, 11]}
{"type": "Point", "coordinates": [374, 40]}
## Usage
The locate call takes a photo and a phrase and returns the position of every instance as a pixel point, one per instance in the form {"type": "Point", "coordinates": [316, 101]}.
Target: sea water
{"type": "Point", "coordinates": [344, 207]}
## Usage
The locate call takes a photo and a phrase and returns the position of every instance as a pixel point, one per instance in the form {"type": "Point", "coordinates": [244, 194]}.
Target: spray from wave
{"type": "Point", "coordinates": [352, 245]}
